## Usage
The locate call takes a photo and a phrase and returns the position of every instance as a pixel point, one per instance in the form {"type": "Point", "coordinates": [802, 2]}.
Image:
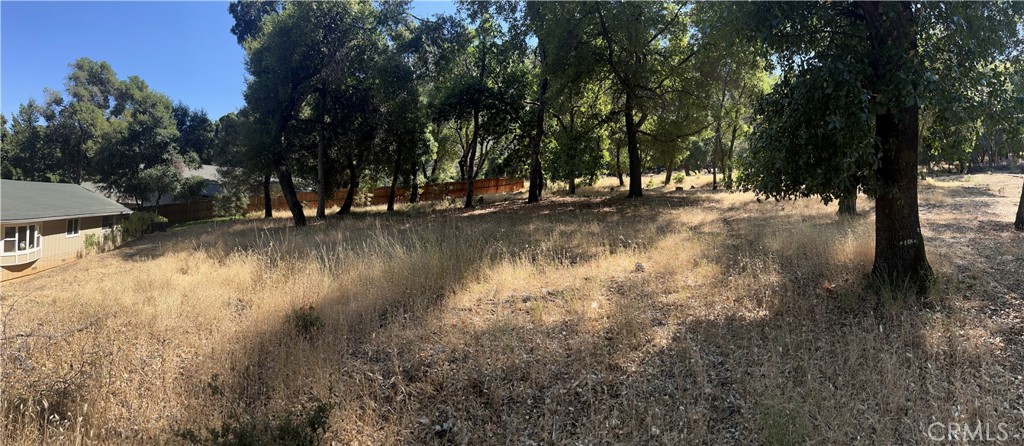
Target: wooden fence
{"type": "Point", "coordinates": [203, 209]}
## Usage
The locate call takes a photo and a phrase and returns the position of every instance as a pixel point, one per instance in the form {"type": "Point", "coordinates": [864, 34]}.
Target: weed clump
{"type": "Point", "coordinates": [306, 321]}
{"type": "Point", "coordinates": [305, 426]}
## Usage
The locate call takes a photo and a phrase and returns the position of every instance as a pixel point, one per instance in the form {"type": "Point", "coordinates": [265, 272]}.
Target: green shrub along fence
{"type": "Point", "coordinates": [204, 209]}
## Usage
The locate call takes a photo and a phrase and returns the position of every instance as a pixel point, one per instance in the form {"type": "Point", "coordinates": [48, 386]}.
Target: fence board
{"type": "Point", "coordinates": [204, 209]}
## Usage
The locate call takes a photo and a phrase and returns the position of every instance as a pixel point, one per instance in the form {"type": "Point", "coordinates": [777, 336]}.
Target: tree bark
{"type": "Point", "coordinates": [900, 258]}
{"type": "Point", "coordinates": [618, 164]}
{"type": "Point", "coordinates": [668, 173]}
{"type": "Point", "coordinates": [284, 177]}
{"type": "Point", "coordinates": [727, 173]}
{"type": "Point", "coordinates": [572, 186]}
{"type": "Point", "coordinates": [394, 181]}
{"type": "Point", "coordinates": [848, 204]}
{"type": "Point", "coordinates": [1019, 223]}
{"type": "Point", "coordinates": [353, 187]}
{"type": "Point", "coordinates": [268, 211]}
{"type": "Point", "coordinates": [636, 187]}
{"type": "Point", "coordinates": [321, 194]}
{"type": "Point", "coordinates": [472, 158]}
{"type": "Point", "coordinates": [536, 172]}
{"type": "Point", "coordinates": [414, 194]}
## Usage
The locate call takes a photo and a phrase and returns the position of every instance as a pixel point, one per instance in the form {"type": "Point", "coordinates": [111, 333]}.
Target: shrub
{"type": "Point", "coordinates": [363, 198]}
{"type": "Point", "coordinates": [230, 204]}
{"type": "Point", "coordinates": [91, 242]}
{"type": "Point", "coordinates": [140, 223]}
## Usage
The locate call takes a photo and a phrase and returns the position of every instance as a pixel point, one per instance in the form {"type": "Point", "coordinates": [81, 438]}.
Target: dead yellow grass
{"type": "Point", "coordinates": [686, 317]}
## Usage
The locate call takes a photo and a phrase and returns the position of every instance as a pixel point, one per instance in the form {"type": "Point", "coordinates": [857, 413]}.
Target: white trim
{"type": "Point", "coordinates": [20, 253]}
{"type": "Point", "coordinates": [35, 229]}
{"type": "Point", "coordinates": [78, 228]}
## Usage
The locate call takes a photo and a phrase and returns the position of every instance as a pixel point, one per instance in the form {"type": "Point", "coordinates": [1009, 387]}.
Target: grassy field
{"type": "Point", "coordinates": [688, 317]}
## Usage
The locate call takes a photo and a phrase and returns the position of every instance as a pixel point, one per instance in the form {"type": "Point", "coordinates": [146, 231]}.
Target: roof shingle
{"type": "Point", "coordinates": [31, 201]}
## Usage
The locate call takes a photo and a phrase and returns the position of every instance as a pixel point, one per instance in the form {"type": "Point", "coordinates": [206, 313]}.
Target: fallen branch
{"type": "Point", "coordinates": [32, 334]}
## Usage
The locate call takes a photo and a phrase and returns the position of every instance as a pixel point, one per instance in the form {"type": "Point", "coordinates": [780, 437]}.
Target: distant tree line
{"type": "Point", "coordinates": [129, 139]}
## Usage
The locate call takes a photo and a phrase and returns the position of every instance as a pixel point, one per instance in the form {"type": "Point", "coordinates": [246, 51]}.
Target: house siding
{"type": "Point", "coordinates": [58, 248]}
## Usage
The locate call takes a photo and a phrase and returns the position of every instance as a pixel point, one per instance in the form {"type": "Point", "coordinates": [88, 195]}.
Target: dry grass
{"type": "Point", "coordinates": [686, 317]}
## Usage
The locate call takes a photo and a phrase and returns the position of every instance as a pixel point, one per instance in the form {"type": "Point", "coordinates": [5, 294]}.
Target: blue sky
{"type": "Point", "coordinates": [182, 49]}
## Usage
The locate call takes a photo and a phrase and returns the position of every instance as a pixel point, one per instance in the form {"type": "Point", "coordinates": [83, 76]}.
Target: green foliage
{"type": "Point", "coordinates": [230, 204]}
{"type": "Point", "coordinates": [190, 188]}
{"type": "Point", "coordinates": [103, 129]}
{"type": "Point", "coordinates": [827, 147]}
{"type": "Point", "coordinates": [316, 114]}
{"type": "Point", "coordinates": [196, 132]}
{"type": "Point", "coordinates": [140, 223]}
{"type": "Point", "coordinates": [159, 181]}
{"type": "Point", "coordinates": [91, 242]}
{"type": "Point", "coordinates": [815, 133]}
{"type": "Point", "coordinates": [26, 152]}
{"type": "Point", "coordinates": [645, 57]}
{"type": "Point", "coordinates": [142, 137]}
{"type": "Point", "coordinates": [579, 135]}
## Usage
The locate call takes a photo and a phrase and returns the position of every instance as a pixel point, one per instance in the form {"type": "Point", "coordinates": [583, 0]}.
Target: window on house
{"type": "Point", "coordinates": [72, 227]}
{"type": "Point", "coordinates": [18, 239]}
{"type": "Point", "coordinates": [108, 222]}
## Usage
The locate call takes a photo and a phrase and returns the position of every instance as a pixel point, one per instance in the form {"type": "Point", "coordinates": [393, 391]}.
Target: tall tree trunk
{"type": "Point", "coordinates": [716, 154]}
{"type": "Point", "coordinates": [668, 172]}
{"type": "Point", "coordinates": [728, 161]}
{"type": "Point", "coordinates": [636, 187]}
{"type": "Point", "coordinates": [268, 210]}
{"type": "Point", "coordinates": [321, 194]}
{"type": "Point", "coordinates": [536, 172]}
{"type": "Point", "coordinates": [1019, 223]}
{"type": "Point", "coordinates": [392, 194]}
{"type": "Point", "coordinates": [472, 158]}
{"type": "Point", "coordinates": [848, 204]}
{"type": "Point", "coordinates": [284, 177]}
{"type": "Point", "coordinates": [900, 258]}
{"type": "Point", "coordinates": [414, 194]}
{"type": "Point", "coordinates": [353, 187]}
{"type": "Point", "coordinates": [899, 245]}
{"type": "Point", "coordinates": [572, 186]}
{"type": "Point", "coordinates": [618, 164]}
{"type": "Point", "coordinates": [394, 181]}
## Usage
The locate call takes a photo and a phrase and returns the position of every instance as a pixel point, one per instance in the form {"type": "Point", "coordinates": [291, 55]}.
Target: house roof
{"type": "Point", "coordinates": [207, 171]}
{"type": "Point", "coordinates": [25, 201]}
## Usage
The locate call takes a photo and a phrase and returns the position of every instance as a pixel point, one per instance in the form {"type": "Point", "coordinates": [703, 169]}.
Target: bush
{"type": "Point", "coordinates": [230, 204]}
{"type": "Point", "coordinates": [140, 223]}
{"type": "Point", "coordinates": [363, 198]}
{"type": "Point", "coordinates": [91, 242]}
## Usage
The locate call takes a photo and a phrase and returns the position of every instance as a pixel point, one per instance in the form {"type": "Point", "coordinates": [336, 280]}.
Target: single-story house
{"type": "Point", "coordinates": [46, 224]}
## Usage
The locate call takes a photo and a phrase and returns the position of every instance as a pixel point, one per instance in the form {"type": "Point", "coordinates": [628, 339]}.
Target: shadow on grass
{"type": "Point", "coordinates": [419, 263]}
{"type": "Point", "coordinates": [761, 353]}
